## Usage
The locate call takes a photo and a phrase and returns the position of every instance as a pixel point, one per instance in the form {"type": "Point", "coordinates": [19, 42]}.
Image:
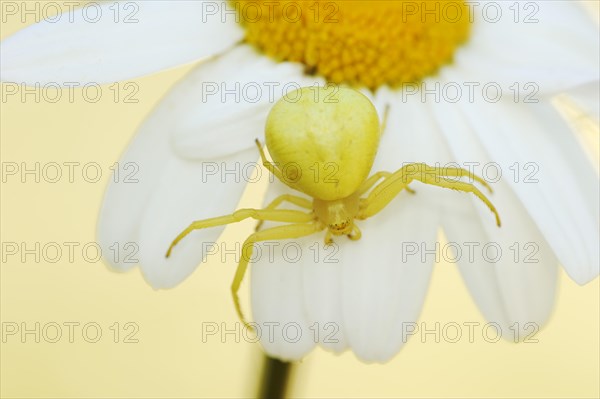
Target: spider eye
{"type": "Point", "coordinates": [340, 226]}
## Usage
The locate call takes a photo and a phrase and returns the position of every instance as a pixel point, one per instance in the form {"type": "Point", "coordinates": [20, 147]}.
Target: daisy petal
{"type": "Point", "coordinates": [187, 191]}
{"type": "Point", "coordinates": [384, 281]}
{"type": "Point", "coordinates": [277, 299]}
{"type": "Point", "coordinates": [307, 280]}
{"type": "Point", "coordinates": [169, 194]}
{"type": "Point", "coordinates": [350, 298]}
{"type": "Point", "coordinates": [385, 277]}
{"type": "Point", "coordinates": [587, 98]}
{"type": "Point", "coordinates": [321, 283]}
{"type": "Point", "coordinates": [126, 197]}
{"type": "Point", "coordinates": [410, 135]}
{"type": "Point", "coordinates": [157, 168]}
{"type": "Point", "coordinates": [556, 183]}
{"type": "Point", "coordinates": [226, 98]}
{"type": "Point", "coordinates": [510, 271]}
{"type": "Point", "coordinates": [518, 42]}
{"type": "Point", "coordinates": [323, 294]}
{"type": "Point", "coordinates": [117, 41]}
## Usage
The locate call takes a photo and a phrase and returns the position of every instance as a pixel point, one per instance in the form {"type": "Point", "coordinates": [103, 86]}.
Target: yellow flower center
{"type": "Point", "coordinates": [362, 43]}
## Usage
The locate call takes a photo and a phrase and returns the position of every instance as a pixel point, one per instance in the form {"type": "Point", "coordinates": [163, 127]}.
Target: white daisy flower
{"type": "Point", "coordinates": [377, 287]}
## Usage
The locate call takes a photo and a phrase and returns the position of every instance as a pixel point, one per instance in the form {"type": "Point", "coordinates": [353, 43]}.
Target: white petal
{"type": "Point", "coordinates": [286, 282]}
{"type": "Point", "coordinates": [580, 108]}
{"type": "Point", "coordinates": [277, 299]}
{"type": "Point", "coordinates": [556, 184]}
{"type": "Point", "coordinates": [117, 41]}
{"type": "Point", "coordinates": [588, 98]}
{"type": "Point", "coordinates": [387, 275]}
{"type": "Point", "coordinates": [140, 170]}
{"type": "Point", "coordinates": [227, 97]}
{"type": "Point", "coordinates": [360, 294]}
{"type": "Point", "coordinates": [171, 194]}
{"type": "Point", "coordinates": [321, 283]}
{"type": "Point", "coordinates": [323, 294]}
{"type": "Point", "coordinates": [187, 191]}
{"type": "Point", "coordinates": [559, 51]}
{"type": "Point", "coordinates": [510, 271]}
{"type": "Point", "coordinates": [411, 134]}
{"type": "Point", "coordinates": [384, 282]}
{"type": "Point", "coordinates": [175, 183]}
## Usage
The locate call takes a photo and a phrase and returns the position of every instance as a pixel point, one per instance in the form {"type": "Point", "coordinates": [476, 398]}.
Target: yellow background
{"type": "Point", "coordinates": [170, 359]}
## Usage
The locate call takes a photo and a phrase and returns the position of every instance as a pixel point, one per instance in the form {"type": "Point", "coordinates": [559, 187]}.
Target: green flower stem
{"type": "Point", "coordinates": [275, 379]}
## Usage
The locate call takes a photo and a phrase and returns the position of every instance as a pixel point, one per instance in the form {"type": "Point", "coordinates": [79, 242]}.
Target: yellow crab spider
{"type": "Point", "coordinates": [323, 143]}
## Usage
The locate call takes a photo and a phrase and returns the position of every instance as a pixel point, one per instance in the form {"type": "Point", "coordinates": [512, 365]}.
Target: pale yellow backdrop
{"type": "Point", "coordinates": [170, 359]}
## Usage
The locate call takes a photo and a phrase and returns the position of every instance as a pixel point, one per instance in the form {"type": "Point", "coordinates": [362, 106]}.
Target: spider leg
{"type": "Point", "coordinates": [274, 215]}
{"type": "Point", "coordinates": [370, 182]}
{"type": "Point", "coordinates": [271, 167]}
{"type": "Point", "coordinates": [381, 195]}
{"type": "Point", "coordinates": [457, 172]}
{"type": "Point", "coordinates": [328, 237]}
{"type": "Point", "coordinates": [356, 233]}
{"type": "Point", "coordinates": [274, 233]}
{"type": "Point", "coordinates": [465, 187]}
{"type": "Point", "coordinates": [384, 192]}
{"type": "Point", "coordinates": [293, 199]}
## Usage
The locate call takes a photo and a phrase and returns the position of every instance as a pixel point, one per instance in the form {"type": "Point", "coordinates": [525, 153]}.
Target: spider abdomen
{"type": "Point", "coordinates": [324, 140]}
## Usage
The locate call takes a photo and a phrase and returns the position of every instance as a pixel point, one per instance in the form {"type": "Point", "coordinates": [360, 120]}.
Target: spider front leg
{"type": "Point", "coordinates": [274, 233]}
{"type": "Point", "coordinates": [387, 190]}
{"type": "Point", "coordinates": [371, 181]}
{"type": "Point", "coordinates": [356, 233]}
{"type": "Point", "coordinates": [328, 238]}
{"type": "Point", "coordinates": [273, 215]}
{"type": "Point", "coordinates": [292, 199]}
{"type": "Point", "coordinates": [271, 167]}
{"type": "Point", "coordinates": [465, 187]}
